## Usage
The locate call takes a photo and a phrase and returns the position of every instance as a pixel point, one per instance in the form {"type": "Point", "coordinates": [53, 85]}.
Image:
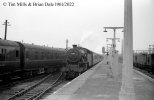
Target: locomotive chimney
{"type": "Point", "coordinates": [74, 46]}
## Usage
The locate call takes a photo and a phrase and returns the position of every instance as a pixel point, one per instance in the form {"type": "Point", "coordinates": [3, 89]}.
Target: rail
{"type": "Point", "coordinates": [35, 90]}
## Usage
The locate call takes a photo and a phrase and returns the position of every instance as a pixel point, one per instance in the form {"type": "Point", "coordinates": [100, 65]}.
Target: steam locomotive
{"type": "Point", "coordinates": [79, 60]}
{"type": "Point", "coordinates": [21, 59]}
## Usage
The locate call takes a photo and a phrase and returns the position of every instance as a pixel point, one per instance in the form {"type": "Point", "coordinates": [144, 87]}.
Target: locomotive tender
{"type": "Point", "coordinates": [79, 60]}
{"type": "Point", "coordinates": [21, 59]}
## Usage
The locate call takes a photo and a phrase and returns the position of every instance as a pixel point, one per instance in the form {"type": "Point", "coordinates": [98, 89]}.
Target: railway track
{"type": "Point", "coordinates": [51, 91]}
{"type": "Point", "coordinates": [15, 87]}
{"type": "Point", "coordinates": [13, 83]}
{"type": "Point", "coordinates": [37, 90]}
{"type": "Point", "coordinates": [144, 72]}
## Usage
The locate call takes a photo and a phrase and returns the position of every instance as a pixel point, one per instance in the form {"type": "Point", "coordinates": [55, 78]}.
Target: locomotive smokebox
{"type": "Point", "coordinates": [74, 46]}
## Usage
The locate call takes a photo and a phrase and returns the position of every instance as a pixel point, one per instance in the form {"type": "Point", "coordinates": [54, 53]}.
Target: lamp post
{"type": "Point", "coordinates": [114, 35]}
{"type": "Point", "coordinates": [113, 56]}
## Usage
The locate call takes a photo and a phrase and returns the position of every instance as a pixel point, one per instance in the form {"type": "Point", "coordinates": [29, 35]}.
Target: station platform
{"type": "Point", "coordinates": [98, 84]}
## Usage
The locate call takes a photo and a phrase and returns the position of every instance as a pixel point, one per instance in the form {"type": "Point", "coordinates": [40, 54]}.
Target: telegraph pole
{"type": "Point", "coordinates": [66, 44]}
{"type": "Point", "coordinates": [6, 23]}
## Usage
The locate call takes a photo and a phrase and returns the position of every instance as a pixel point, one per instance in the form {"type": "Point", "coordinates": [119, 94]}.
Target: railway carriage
{"type": "Point", "coordinates": [43, 58]}
{"type": "Point", "coordinates": [21, 59]}
{"type": "Point", "coordinates": [144, 61]}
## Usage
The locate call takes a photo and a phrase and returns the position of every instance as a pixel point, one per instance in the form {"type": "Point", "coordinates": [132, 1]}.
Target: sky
{"type": "Point", "coordinates": [81, 24]}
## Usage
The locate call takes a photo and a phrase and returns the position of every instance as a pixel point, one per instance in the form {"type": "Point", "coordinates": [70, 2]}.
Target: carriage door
{"type": "Point", "coordinates": [2, 54]}
{"type": "Point", "coordinates": [22, 55]}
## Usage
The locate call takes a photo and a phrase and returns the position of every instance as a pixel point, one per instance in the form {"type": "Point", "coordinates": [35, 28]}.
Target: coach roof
{"type": "Point", "coordinates": [8, 43]}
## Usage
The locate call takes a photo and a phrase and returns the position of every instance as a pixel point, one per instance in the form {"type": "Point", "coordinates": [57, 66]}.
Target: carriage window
{"type": "Point", "coordinates": [3, 51]}
{"type": "Point", "coordinates": [17, 53]}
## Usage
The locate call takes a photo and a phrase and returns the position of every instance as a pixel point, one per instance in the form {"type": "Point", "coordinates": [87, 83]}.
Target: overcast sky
{"type": "Point", "coordinates": [81, 24]}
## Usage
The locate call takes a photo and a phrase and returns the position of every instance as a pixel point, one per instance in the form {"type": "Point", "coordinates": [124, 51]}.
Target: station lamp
{"type": "Point", "coordinates": [105, 30]}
